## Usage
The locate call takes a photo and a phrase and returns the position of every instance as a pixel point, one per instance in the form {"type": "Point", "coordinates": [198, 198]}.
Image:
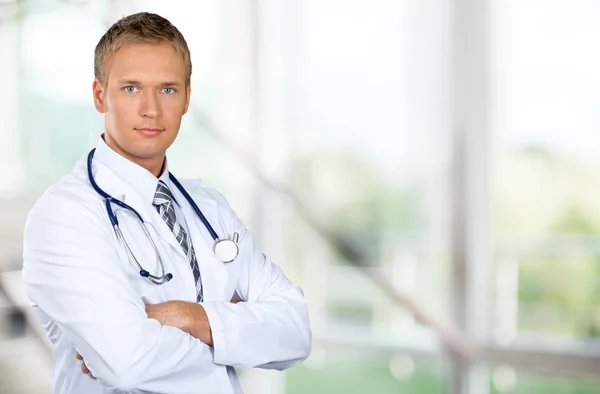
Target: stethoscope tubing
{"type": "Point", "coordinates": [108, 200]}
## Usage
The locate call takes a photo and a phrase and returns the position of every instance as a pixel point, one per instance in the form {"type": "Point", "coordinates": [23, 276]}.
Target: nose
{"type": "Point", "coordinates": [150, 105]}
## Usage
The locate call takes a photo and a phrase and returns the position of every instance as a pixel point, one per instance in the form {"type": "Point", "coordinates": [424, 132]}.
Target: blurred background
{"type": "Point", "coordinates": [427, 171]}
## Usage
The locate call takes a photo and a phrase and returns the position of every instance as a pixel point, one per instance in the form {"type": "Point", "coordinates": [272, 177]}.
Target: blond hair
{"type": "Point", "coordinates": [140, 28]}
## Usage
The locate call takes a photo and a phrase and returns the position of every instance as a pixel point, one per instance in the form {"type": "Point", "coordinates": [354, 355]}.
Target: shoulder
{"type": "Point", "coordinates": [71, 198]}
{"type": "Point", "coordinates": [206, 195]}
{"type": "Point", "coordinates": [197, 189]}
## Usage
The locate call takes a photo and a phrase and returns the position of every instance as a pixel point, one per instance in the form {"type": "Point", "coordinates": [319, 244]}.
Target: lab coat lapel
{"type": "Point", "coordinates": [119, 189]}
{"type": "Point", "coordinates": [150, 214]}
{"type": "Point", "coordinates": [214, 272]}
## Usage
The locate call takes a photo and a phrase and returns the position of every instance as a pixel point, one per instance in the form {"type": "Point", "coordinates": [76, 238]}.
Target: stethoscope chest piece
{"type": "Point", "coordinates": [227, 250]}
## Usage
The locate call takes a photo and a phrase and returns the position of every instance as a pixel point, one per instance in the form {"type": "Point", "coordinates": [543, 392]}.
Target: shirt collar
{"type": "Point", "coordinates": [140, 179]}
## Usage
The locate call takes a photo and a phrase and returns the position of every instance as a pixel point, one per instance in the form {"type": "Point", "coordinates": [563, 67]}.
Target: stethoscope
{"type": "Point", "coordinates": [225, 250]}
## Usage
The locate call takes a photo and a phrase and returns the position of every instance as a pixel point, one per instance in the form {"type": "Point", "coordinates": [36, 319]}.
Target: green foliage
{"type": "Point", "coordinates": [549, 205]}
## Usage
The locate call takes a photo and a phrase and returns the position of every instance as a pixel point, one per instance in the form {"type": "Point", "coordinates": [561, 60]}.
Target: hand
{"type": "Point", "coordinates": [84, 367]}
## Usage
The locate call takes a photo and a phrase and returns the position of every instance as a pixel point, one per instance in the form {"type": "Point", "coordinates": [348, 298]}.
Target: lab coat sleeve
{"type": "Point", "coordinates": [271, 328]}
{"type": "Point", "coordinates": [72, 272]}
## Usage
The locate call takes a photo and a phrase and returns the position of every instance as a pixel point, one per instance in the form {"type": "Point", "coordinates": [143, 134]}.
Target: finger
{"type": "Point", "coordinates": [234, 301]}
{"type": "Point", "coordinates": [91, 376]}
{"type": "Point", "coordinates": [78, 356]}
{"type": "Point", "coordinates": [84, 369]}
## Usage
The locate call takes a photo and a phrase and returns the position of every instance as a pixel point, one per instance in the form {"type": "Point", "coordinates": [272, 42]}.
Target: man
{"type": "Point", "coordinates": [156, 308]}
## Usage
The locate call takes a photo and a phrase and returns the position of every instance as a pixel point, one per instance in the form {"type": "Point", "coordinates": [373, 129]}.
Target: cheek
{"type": "Point", "coordinates": [173, 111]}
{"type": "Point", "coordinates": [121, 110]}
{"type": "Point", "coordinates": [174, 104]}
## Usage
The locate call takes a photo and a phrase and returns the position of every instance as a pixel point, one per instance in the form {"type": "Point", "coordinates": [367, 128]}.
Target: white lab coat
{"type": "Point", "coordinates": [91, 297]}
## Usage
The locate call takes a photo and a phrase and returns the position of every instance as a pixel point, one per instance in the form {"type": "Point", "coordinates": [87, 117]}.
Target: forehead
{"type": "Point", "coordinates": [146, 63]}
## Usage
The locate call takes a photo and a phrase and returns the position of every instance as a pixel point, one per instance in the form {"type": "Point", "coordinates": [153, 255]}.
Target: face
{"type": "Point", "coordinates": [143, 98]}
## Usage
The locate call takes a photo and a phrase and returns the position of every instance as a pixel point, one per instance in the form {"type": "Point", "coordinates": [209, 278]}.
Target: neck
{"type": "Point", "coordinates": [154, 164]}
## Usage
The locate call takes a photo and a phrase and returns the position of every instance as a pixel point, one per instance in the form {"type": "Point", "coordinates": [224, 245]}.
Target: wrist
{"type": "Point", "coordinates": [188, 318]}
{"type": "Point", "coordinates": [198, 325]}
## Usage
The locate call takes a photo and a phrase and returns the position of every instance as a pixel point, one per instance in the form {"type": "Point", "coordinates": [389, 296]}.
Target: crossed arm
{"type": "Point", "coordinates": [187, 316]}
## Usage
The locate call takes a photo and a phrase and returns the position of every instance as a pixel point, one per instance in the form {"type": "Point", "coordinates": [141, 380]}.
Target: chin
{"type": "Point", "coordinates": [149, 148]}
{"type": "Point", "coordinates": [148, 153]}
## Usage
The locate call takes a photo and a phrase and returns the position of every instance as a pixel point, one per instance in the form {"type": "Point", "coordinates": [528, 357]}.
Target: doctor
{"type": "Point", "coordinates": [148, 283]}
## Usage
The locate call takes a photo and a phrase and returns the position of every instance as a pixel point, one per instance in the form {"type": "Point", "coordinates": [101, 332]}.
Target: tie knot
{"type": "Point", "coordinates": [163, 194]}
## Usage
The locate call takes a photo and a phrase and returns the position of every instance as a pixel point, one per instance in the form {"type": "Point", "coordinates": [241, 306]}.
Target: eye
{"type": "Point", "coordinates": [130, 89]}
{"type": "Point", "coordinates": [168, 90]}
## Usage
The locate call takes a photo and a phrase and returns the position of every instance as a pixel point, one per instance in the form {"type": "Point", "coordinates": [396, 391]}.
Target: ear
{"type": "Point", "coordinates": [188, 93]}
{"type": "Point", "coordinates": [99, 97]}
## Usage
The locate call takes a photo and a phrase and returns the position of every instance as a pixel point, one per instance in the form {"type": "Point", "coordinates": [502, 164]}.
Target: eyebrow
{"type": "Point", "coordinates": [171, 83]}
{"type": "Point", "coordinates": [134, 82]}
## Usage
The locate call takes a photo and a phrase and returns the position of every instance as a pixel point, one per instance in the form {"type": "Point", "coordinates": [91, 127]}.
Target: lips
{"type": "Point", "coordinates": [149, 131]}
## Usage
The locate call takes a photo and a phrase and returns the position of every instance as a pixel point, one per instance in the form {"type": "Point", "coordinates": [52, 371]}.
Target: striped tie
{"type": "Point", "coordinates": [163, 201]}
